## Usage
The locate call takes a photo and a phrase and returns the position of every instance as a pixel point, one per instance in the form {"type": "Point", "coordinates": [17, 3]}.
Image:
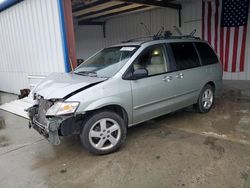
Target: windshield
{"type": "Point", "coordinates": [107, 62]}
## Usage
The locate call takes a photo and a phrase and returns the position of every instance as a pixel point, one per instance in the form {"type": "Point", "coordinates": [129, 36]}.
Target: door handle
{"type": "Point", "coordinates": [180, 76]}
{"type": "Point", "coordinates": [167, 78]}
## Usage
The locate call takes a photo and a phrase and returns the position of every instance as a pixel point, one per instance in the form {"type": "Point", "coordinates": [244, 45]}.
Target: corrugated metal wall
{"type": "Point", "coordinates": [30, 43]}
{"type": "Point", "coordinates": [89, 39]}
{"type": "Point", "coordinates": [191, 16]}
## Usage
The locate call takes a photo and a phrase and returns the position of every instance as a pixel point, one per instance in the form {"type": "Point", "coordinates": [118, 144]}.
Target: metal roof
{"type": "Point", "coordinates": [4, 4]}
{"type": "Point", "coordinates": [95, 12]}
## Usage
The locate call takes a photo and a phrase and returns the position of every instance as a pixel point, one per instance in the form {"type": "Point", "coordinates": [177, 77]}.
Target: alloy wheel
{"type": "Point", "coordinates": [207, 98]}
{"type": "Point", "coordinates": [104, 134]}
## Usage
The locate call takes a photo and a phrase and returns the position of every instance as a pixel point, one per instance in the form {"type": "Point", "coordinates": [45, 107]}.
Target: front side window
{"type": "Point", "coordinates": [207, 55]}
{"type": "Point", "coordinates": [107, 62]}
{"type": "Point", "coordinates": [185, 55]}
{"type": "Point", "coordinates": [152, 59]}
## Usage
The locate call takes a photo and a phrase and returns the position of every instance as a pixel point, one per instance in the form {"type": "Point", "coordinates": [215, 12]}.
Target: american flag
{"type": "Point", "coordinates": [224, 26]}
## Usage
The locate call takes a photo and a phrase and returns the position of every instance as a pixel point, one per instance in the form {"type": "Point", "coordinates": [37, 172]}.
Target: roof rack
{"type": "Point", "coordinates": [138, 39]}
{"type": "Point", "coordinates": [177, 37]}
{"type": "Point", "coordinates": [166, 35]}
{"type": "Point", "coordinates": [161, 38]}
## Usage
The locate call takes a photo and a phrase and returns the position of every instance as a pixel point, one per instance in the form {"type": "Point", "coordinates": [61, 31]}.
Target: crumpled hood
{"type": "Point", "coordinates": [59, 85]}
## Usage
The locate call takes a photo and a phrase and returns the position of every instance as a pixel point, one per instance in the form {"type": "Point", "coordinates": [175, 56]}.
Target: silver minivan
{"type": "Point", "coordinates": [123, 85]}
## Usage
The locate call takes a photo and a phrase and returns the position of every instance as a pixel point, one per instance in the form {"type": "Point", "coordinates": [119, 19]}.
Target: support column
{"type": "Point", "coordinates": [70, 33]}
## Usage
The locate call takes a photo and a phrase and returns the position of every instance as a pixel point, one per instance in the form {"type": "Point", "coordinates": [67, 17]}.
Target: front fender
{"type": "Point", "coordinates": [107, 102]}
{"type": "Point", "coordinates": [104, 102]}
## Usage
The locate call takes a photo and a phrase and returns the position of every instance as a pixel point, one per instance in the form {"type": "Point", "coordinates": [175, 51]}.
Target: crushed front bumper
{"type": "Point", "coordinates": [39, 128]}
{"type": "Point", "coordinates": [50, 131]}
{"type": "Point", "coordinates": [54, 127]}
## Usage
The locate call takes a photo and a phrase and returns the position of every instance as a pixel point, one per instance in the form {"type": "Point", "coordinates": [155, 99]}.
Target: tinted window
{"type": "Point", "coordinates": [207, 55]}
{"type": "Point", "coordinates": [185, 55]}
{"type": "Point", "coordinates": [152, 59]}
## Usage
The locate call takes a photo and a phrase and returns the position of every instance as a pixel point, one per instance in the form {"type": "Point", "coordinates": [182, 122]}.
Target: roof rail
{"type": "Point", "coordinates": [161, 35]}
{"type": "Point", "coordinates": [162, 38]}
{"type": "Point", "coordinates": [177, 37]}
{"type": "Point", "coordinates": [138, 39]}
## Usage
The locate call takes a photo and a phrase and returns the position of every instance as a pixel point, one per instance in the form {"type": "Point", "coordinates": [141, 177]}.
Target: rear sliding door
{"type": "Point", "coordinates": [188, 72]}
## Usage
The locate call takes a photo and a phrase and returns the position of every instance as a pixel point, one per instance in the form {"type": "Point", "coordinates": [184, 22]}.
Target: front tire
{"type": "Point", "coordinates": [103, 132]}
{"type": "Point", "coordinates": [206, 99]}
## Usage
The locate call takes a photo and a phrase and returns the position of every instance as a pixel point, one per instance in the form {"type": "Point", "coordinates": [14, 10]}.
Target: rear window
{"type": "Point", "coordinates": [206, 53]}
{"type": "Point", "coordinates": [185, 55]}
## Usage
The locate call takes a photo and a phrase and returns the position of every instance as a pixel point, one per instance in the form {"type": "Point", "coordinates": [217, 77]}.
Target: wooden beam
{"type": "Point", "coordinates": [116, 13]}
{"type": "Point", "coordinates": [83, 22]}
{"type": "Point", "coordinates": [70, 32]}
{"type": "Point", "coordinates": [163, 3]}
{"type": "Point", "coordinates": [90, 5]}
{"type": "Point", "coordinates": [103, 10]}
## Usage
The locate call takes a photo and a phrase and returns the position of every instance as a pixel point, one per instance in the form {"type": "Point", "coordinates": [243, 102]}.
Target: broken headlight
{"type": "Point", "coordinates": [62, 108]}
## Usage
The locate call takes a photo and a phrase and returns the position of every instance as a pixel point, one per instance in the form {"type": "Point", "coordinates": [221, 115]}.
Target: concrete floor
{"type": "Point", "coordinates": [183, 149]}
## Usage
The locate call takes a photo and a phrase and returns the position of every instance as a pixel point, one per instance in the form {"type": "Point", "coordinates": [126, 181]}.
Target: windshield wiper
{"type": "Point", "coordinates": [87, 73]}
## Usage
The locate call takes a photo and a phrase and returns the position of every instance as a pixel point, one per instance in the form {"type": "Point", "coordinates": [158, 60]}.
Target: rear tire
{"type": "Point", "coordinates": [103, 132]}
{"type": "Point", "coordinates": [206, 99]}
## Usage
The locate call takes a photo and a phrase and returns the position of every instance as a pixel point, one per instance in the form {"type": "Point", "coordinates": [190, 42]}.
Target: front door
{"type": "Point", "coordinates": [152, 95]}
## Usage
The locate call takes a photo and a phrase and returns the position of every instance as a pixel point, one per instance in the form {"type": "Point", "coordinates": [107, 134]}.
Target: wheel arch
{"type": "Point", "coordinates": [211, 83]}
{"type": "Point", "coordinates": [117, 108]}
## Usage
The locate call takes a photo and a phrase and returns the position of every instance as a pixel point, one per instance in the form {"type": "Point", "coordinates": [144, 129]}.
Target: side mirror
{"type": "Point", "coordinates": [140, 73]}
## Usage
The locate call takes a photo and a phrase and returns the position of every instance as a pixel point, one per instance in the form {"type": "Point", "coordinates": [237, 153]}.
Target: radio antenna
{"type": "Point", "coordinates": [145, 28]}
{"type": "Point", "coordinates": [159, 33]}
{"type": "Point", "coordinates": [178, 30]}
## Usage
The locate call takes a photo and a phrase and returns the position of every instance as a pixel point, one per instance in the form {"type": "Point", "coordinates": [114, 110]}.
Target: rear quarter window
{"type": "Point", "coordinates": [206, 53]}
{"type": "Point", "coordinates": [185, 55]}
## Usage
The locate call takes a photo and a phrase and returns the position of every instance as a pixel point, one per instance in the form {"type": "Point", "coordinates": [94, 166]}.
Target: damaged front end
{"type": "Point", "coordinates": [50, 125]}
{"type": "Point", "coordinates": [52, 114]}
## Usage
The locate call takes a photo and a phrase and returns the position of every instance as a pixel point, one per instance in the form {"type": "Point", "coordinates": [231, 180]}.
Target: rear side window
{"type": "Point", "coordinates": [185, 55]}
{"type": "Point", "coordinates": [206, 53]}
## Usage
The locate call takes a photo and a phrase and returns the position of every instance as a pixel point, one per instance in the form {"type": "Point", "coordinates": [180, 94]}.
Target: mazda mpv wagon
{"type": "Point", "coordinates": [123, 85]}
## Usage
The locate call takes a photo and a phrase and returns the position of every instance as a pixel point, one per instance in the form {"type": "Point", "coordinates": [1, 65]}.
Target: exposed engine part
{"type": "Point", "coordinates": [47, 127]}
{"type": "Point", "coordinates": [32, 111]}
{"type": "Point", "coordinates": [54, 125]}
